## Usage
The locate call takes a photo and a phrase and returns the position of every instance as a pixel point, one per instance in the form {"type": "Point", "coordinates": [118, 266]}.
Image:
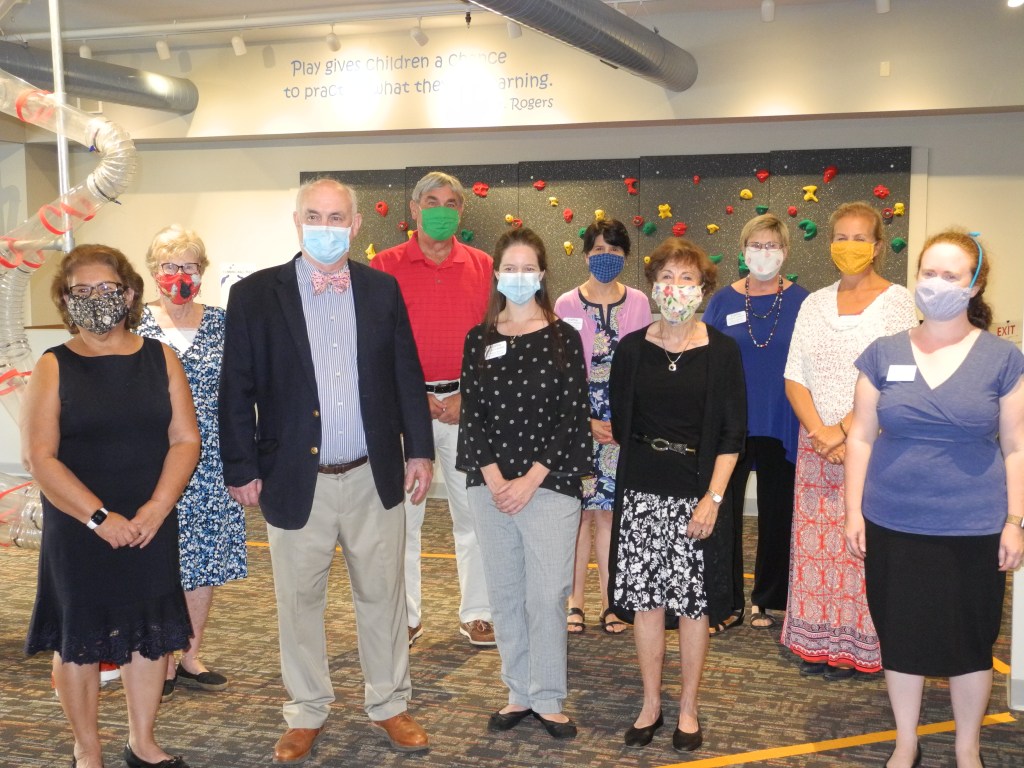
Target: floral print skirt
{"type": "Point", "coordinates": [658, 565]}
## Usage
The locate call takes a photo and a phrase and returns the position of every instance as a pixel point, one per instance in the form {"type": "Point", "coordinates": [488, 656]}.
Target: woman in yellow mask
{"type": "Point", "coordinates": [827, 621]}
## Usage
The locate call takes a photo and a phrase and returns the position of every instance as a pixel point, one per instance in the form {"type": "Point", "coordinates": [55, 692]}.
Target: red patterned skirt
{"type": "Point", "coordinates": [827, 618]}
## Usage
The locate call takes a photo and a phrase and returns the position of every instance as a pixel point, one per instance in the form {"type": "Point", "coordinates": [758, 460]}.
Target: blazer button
{"type": "Point", "coordinates": [314, 450]}
{"type": "Point", "coordinates": [316, 414]}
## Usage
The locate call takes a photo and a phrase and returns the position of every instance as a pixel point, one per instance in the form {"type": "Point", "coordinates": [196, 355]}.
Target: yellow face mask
{"type": "Point", "coordinates": [852, 256]}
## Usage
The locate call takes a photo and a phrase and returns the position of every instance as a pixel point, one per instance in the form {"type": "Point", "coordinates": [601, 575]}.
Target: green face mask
{"type": "Point", "coordinates": [439, 223]}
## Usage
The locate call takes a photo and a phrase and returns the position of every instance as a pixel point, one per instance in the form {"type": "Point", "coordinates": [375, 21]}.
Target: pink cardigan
{"type": "Point", "coordinates": [634, 315]}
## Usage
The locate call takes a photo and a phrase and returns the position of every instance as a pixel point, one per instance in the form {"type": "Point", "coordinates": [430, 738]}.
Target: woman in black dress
{"type": "Point", "coordinates": [109, 433]}
{"type": "Point", "coordinates": [679, 413]}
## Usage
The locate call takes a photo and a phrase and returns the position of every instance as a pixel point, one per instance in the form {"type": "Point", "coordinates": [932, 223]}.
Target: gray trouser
{"type": "Point", "coordinates": [528, 559]}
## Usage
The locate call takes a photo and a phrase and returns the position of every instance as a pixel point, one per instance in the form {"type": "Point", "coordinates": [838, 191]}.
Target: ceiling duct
{"type": "Point", "coordinates": [100, 80]}
{"type": "Point", "coordinates": [598, 29]}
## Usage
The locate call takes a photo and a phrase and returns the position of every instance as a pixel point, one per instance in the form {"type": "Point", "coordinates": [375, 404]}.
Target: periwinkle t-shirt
{"type": "Point", "coordinates": [936, 467]}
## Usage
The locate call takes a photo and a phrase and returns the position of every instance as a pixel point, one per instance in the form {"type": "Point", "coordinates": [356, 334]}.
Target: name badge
{"type": "Point", "coordinates": [575, 322]}
{"type": "Point", "coordinates": [497, 349]}
{"type": "Point", "coordinates": [736, 318]}
{"type": "Point", "coordinates": [901, 373]}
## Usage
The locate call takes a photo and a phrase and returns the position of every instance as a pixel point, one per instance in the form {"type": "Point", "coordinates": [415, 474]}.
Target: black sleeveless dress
{"type": "Point", "coordinates": [93, 602]}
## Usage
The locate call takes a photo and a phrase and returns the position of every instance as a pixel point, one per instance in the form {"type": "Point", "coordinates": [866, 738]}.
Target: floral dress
{"type": "Point", "coordinates": [211, 525]}
{"type": "Point", "coordinates": [599, 488]}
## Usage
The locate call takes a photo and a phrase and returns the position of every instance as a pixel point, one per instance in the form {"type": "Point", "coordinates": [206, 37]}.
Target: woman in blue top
{"type": "Point", "coordinates": [759, 312]}
{"type": "Point", "coordinates": [935, 492]}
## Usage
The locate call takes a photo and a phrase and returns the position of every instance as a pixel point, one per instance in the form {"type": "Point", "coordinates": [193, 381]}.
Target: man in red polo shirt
{"type": "Point", "coordinates": [446, 285]}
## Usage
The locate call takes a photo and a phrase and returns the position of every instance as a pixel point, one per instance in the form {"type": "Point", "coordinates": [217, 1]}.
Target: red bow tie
{"type": "Point", "coordinates": [338, 281]}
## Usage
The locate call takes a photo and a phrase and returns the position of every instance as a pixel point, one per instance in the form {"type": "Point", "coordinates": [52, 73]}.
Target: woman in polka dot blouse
{"type": "Point", "coordinates": [524, 444]}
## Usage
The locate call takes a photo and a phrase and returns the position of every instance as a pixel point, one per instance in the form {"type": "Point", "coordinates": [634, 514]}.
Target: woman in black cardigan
{"type": "Point", "coordinates": [679, 400]}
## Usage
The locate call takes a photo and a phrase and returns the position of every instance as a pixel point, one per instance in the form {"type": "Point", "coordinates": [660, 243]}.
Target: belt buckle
{"type": "Point", "coordinates": [661, 444]}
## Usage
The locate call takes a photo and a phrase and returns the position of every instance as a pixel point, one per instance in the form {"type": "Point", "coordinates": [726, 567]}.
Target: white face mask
{"type": "Point", "coordinates": [764, 265]}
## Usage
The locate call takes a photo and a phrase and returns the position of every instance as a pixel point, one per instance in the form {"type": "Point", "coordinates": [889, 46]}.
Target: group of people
{"type": "Point", "coordinates": [555, 424]}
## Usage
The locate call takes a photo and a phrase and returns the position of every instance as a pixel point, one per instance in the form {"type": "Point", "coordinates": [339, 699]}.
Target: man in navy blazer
{"type": "Point", "coordinates": [324, 424]}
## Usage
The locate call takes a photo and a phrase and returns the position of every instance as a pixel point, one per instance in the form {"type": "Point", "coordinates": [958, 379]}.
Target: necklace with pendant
{"type": "Point", "coordinates": [672, 363]}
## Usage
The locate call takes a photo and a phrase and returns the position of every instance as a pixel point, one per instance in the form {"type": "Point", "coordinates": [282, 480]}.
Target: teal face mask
{"type": "Point", "coordinates": [325, 244]}
{"type": "Point", "coordinates": [439, 223]}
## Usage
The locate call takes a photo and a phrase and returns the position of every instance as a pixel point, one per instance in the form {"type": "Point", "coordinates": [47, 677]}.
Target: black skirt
{"type": "Point", "coordinates": [936, 601]}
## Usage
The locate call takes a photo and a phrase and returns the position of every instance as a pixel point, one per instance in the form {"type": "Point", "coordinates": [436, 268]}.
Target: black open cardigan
{"type": "Point", "coordinates": [723, 430]}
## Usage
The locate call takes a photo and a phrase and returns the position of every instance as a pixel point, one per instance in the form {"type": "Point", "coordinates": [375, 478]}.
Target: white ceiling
{"type": "Point", "coordinates": [114, 26]}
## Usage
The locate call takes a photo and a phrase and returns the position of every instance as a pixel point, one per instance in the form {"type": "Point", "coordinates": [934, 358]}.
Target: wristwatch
{"type": "Point", "coordinates": [715, 497]}
{"type": "Point", "coordinates": [97, 518]}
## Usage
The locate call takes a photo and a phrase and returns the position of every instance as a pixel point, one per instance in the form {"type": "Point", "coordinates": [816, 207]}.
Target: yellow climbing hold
{"type": "Point", "coordinates": [809, 195]}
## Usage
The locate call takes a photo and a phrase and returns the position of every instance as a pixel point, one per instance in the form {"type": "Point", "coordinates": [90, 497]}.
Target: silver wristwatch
{"type": "Point", "coordinates": [715, 497]}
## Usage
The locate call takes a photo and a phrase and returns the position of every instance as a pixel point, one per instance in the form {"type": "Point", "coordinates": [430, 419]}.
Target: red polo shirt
{"type": "Point", "coordinates": [444, 300]}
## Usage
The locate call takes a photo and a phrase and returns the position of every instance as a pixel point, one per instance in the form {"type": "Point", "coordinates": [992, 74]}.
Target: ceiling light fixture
{"type": "Point", "coordinates": [515, 31]}
{"type": "Point", "coordinates": [163, 50]}
{"type": "Point", "coordinates": [882, 6]}
{"type": "Point", "coordinates": [84, 51]}
{"type": "Point", "coordinates": [1015, 3]}
{"type": "Point", "coordinates": [333, 41]}
{"type": "Point", "coordinates": [238, 45]}
{"type": "Point", "coordinates": [767, 10]}
{"type": "Point", "coordinates": [417, 34]}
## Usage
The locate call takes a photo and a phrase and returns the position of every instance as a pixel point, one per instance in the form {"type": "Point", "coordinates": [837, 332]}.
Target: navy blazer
{"type": "Point", "coordinates": [269, 407]}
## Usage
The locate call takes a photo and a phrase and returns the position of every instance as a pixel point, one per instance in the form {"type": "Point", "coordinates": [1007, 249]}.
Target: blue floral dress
{"type": "Point", "coordinates": [599, 488]}
{"type": "Point", "coordinates": [211, 525]}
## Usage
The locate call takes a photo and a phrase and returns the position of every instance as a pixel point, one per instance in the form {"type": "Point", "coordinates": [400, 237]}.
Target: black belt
{"type": "Point", "coordinates": [661, 444]}
{"type": "Point", "coordinates": [340, 469]}
{"type": "Point", "coordinates": [443, 389]}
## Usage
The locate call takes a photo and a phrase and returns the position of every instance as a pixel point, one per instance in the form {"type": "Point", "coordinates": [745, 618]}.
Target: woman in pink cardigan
{"type": "Point", "coordinates": [603, 310]}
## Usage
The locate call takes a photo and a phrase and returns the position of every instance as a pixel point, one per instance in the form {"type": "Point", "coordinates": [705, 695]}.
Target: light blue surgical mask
{"type": "Point", "coordinates": [518, 287]}
{"type": "Point", "coordinates": [326, 245]}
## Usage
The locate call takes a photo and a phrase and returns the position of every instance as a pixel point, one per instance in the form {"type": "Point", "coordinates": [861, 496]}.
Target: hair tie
{"type": "Point", "coordinates": [981, 252]}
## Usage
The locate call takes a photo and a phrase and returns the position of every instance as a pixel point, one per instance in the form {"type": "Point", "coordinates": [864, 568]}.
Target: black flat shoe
{"type": "Point", "coordinates": [687, 742]}
{"type": "Point", "coordinates": [168, 690]}
{"type": "Point", "coordinates": [555, 730]}
{"type": "Point", "coordinates": [641, 737]}
{"type": "Point", "coordinates": [839, 673]}
{"type": "Point", "coordinates": [811, 668]}
{"type": "Point", "coordinates": [917, 758]}
{"type": "Point", "coordinates": [207, 681]}
{"type": "Point", "coordinates": [134, 761]}
{"type": "Point", "coordinates": [507, 721]}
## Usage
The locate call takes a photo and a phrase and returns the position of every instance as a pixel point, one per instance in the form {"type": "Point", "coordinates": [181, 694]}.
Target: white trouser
{"type": "Point", "coordinates": [470, 565]}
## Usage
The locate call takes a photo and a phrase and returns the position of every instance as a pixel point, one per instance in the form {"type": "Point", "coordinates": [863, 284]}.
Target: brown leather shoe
{"type": "Point", "coordinates": [478, 632]}
{"type": "Point", "coordinates": [404, 733]}
{"type": "Point", "coordinates": [296, 745]}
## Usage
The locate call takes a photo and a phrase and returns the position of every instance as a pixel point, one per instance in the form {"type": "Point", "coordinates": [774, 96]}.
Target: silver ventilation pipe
{"type": "Point", "coordinates": [100, 80]}
{"type": "Point", "coordinates": [598, 29]}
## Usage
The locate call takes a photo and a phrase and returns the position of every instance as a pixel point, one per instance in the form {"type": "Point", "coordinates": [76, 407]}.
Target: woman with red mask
{"type": "Point", "coordinates": [211, 525]}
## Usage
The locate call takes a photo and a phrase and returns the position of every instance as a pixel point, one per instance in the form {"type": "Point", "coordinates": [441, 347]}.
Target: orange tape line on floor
{"type": "Point", "coordinates": [826, 746]}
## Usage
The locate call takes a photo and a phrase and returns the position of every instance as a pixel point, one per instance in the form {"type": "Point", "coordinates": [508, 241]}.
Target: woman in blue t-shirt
{"type": "Point", "coordinates": [935, 492]}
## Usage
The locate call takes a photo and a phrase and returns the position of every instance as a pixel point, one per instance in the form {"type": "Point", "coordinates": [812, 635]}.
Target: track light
{"type": "Point", "coordinates": [767, 10]}
{"type": "Point", "coordinates": [163, 50]}
{"type": "Point", "coordinates": [514, 30]}
{"type": "Point", "coordinates": [333, 42]}
{"type": "Point", "coordinates": [1015, 3]}
{"type": "Point", "coordinates": [238, 44]}
{"type": "Point", "coordinates": [882, 6]}
{"type": "Point", "coordinates": [84, 51]}
{"type": "Point", "coordinates": [417, 34]}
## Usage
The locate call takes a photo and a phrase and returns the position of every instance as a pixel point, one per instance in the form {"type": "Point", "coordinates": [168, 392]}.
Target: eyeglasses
{"type": "Point", "coordinates": [764, 246]}
{"type": "Point", "coordinates": [100, 289]}
{"type": "Point", "coordinates": [192, 268]}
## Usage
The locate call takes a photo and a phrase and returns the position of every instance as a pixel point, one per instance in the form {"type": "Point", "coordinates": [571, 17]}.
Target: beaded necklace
{"type": "Point", "coordinates": [776, 307]}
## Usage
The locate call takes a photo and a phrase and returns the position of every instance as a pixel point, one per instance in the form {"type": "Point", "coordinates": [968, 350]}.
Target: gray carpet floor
{"type": "Point", "coordinates": [756, 709]}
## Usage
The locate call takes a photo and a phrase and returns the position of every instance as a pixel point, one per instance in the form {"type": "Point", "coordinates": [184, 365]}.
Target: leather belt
{"type": "Point", "coordinates": [661, 444]}
{"type": "Point", "coordinates": [340, 469]}
{"type": "Point", "coordinates": [444, 388]}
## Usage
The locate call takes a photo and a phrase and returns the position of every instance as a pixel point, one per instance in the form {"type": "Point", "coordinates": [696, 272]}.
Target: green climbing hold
{"type": "Point", "coordinates": [793, 277]}
{"type": "Point", "coordinates": [716, 258]}
{"type": "Point", "coordinates": [898, 244]}
{"type": "Point", "coordinates": [761, 210]}
{"type": "Point", "coordinates": [466, 235]}
{"type": "Point", "coordinates": [810, 229]}
{"type": "Point", "coordinates": [649, 228]}
{"type": "Point", "coordinates": [582, 232]}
